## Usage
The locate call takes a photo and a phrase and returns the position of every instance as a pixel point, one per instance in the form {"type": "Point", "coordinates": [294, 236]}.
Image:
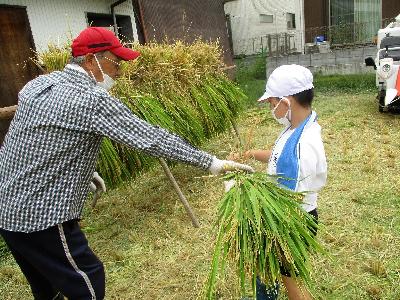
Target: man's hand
{"type": "Point", "coordinates": [98, 184]}
{"type": "Point", "coordinates": [221, 166]}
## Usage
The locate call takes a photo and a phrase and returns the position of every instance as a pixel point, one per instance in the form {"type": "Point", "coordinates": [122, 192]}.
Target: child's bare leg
{"type": "Point", "coordinates": [295, 291]}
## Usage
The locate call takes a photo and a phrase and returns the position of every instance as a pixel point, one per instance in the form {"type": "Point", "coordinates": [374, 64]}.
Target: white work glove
{"type": "Point", "coordinates": [97, 184]}
{"type": "Point", "coordinates": [98, 187]}
{"type": "Point", "coordinates": [221, 166]}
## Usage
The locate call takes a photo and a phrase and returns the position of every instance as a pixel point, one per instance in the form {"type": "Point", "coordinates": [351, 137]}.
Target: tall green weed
{"type": "Point", "coordinates": [251, 76]}
{"type": "Point", "coordinates": [251, 68]}
{"type": "Point", "coordinates": [350, 83]}
{"type": "Point", "coordinates": [3, 247]}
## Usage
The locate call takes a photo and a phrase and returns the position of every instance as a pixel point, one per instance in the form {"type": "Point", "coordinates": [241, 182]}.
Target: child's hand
{"type": "Point", "coordinates": [241, 156]}
{"type": "Point", "coordinates": [234, 156]}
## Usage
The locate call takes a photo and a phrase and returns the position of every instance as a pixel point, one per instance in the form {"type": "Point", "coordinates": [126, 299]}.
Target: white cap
{"type": "Point", "coordinates": [288, 80]}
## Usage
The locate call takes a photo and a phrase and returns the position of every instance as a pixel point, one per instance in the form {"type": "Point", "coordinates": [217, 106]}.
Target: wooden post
{"type": "Point", "coordinates": [277, 45]}
{"type": "Point", "coordinates": [182, 197]}
{"type": "Point", "coordinates": [286, 47]}
{"type": "Point", "coordinates": [262, 45]}
{"type": "Point", "coordinates": [7, 112]}
{"type": "Point", "coordinates": [269, 45]}
{"type": "Point", "coordinates": [226, 68]}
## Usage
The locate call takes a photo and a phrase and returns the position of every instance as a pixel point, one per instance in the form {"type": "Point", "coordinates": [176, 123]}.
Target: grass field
{"type": "Point", "coordinates": [151, 251]}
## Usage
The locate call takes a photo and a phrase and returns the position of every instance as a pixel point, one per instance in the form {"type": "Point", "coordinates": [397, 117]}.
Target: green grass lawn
{"type": "Point", "coordinates": [151, 251]}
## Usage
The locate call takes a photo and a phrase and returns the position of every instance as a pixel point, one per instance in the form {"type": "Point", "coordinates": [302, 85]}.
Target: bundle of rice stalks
{"type": "Point", "coordinates": [178, 86]}
{"type": "Point", "coordinates": [262, 228]}
{"type": "Point", "coordinates": [187, 79]}
{"type": "Point", "coordinates": [55, 58]}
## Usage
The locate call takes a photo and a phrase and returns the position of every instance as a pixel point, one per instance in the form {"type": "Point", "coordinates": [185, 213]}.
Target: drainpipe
{"type": "Point", "coordinates": [113, 14]}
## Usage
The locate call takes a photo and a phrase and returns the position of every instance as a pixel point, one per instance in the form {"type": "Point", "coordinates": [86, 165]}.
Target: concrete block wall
{"type": "Point", "coordinates": [340, 61]}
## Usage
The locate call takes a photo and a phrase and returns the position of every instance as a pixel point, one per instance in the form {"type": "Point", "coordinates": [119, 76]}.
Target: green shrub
{"type": "Point", "coordinates": [3, 247]}
{"type": "Point", "coordinates": [251, 68]}
{"type": "Point", "coordinates": [352, 83]}
{"type": "Point", "coordinates": [251, 76]}
{"type": "Point", "coordinates": [345, 83]}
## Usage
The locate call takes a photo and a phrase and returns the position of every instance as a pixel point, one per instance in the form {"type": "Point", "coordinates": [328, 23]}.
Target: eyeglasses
{"type": "Point", "coordinates": [113, 61]}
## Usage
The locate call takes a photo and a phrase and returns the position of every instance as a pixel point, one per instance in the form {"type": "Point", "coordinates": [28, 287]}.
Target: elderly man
{"type": "Point", "coordinates": [48, 158]}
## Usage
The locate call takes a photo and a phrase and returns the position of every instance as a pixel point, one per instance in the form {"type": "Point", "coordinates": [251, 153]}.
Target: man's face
{"type": "Point", "coordinates": [110, 64]}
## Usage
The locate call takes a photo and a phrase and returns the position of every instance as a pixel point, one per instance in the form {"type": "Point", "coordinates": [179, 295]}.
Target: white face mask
{"type": "Point", "coordinates": [285, 120]}
{"type": "Point", "coordinates": [107, 82]}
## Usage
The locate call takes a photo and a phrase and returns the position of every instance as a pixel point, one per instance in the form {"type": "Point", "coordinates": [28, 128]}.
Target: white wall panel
{"type": "Point", "coordinates": [55, 20]}
{"type": "Point", "coordinates": [246, 25]}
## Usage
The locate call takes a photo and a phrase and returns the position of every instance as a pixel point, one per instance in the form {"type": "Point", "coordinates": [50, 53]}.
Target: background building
{"type": "Point", "coordinates": [354, 20]}
{"type": "Point", "coordinates": [347, 21]}
{"type": "Point", "coordinates": [259, 25]}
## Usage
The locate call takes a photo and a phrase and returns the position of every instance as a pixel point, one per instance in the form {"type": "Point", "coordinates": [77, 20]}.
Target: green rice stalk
{"type": "Point", "coordinates": [109, 163]}
{"type": "Point", "coordinates": [55, 58]}
{"type": "Point", "coordinates": [262, 227]}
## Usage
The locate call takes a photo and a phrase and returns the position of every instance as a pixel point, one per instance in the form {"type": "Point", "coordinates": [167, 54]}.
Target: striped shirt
{"type": "Point", "coordinates": [50, 151]}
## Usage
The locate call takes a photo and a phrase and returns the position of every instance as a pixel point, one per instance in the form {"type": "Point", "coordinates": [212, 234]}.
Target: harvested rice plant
{"type": "Point", "coordinates": [261, 229]}
{"type": "Point", "coordinates": [180, 87]}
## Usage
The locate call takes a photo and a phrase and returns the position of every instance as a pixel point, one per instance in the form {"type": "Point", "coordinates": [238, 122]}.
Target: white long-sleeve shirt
{"type": "Point", "coordinates": [312, 161]}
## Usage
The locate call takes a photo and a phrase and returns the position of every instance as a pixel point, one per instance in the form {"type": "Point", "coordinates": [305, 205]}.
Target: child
{"type": "Point", "coordinates": [298, 154]}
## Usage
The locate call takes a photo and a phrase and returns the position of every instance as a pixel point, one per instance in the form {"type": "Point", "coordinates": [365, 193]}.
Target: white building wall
{"type": "Point", "coordinates": [247, 29]}
{"type": "Point", "coordinates": [56, 20]}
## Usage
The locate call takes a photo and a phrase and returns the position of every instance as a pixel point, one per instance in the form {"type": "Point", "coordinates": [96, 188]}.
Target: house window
{"type": "Point", "coordinates": [266, 18]}
{"type": "Point", "coordinates": [125, 31]}
{"type": "Point", "coordinates": [291, 21]}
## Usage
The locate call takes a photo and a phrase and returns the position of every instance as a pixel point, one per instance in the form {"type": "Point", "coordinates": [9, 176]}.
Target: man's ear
{"type": "Point", "coordinates": [90, 61]}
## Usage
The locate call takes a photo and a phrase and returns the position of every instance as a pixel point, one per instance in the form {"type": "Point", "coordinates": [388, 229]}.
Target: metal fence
{"type": "Point", "coordinates": [285, 43]}
{"type": "Point", "coordinates": [271, 44]}
{"type": "Point", "coordinates": [350, 33]}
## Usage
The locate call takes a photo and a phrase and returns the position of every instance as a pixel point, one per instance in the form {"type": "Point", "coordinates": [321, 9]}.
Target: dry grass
{"type": "Point", "coordinates": [151, 251]}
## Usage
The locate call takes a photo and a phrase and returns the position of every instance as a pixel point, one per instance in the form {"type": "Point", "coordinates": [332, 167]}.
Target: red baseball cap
{"type": "Point", "coordinates": [96, 39]}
